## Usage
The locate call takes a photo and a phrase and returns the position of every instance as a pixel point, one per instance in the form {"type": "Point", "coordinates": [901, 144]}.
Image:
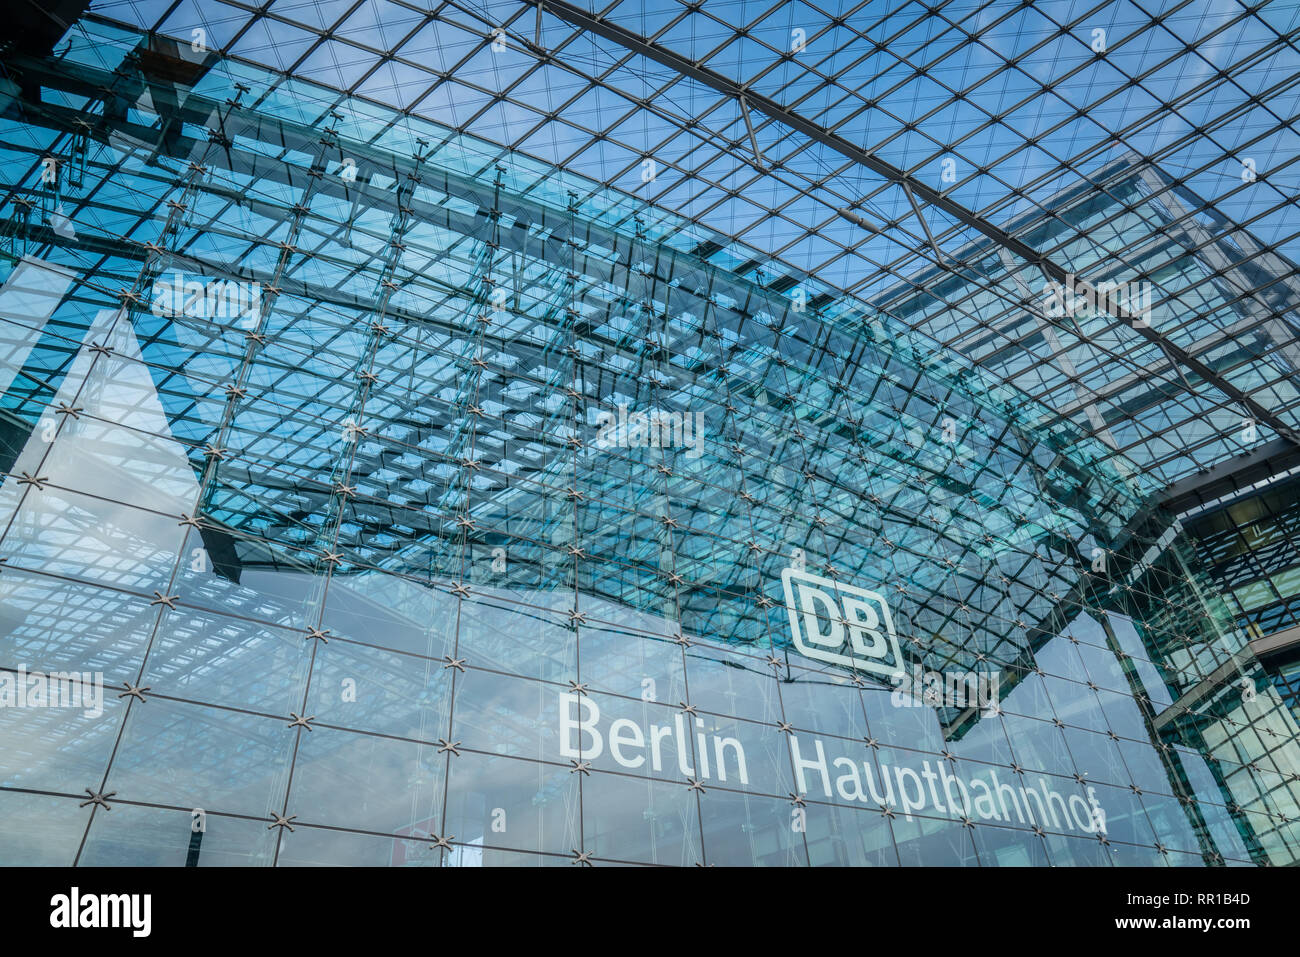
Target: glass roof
{"type": "Point", "coordinates": [945, 162]}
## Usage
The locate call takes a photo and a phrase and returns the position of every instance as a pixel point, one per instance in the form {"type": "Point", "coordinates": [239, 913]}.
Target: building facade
{"type": "Point", "coordinates": [371, 495]}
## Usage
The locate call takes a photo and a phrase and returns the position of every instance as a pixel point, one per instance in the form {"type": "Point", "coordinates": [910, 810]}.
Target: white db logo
{"type": "Point", "coordinates": [841, 624]}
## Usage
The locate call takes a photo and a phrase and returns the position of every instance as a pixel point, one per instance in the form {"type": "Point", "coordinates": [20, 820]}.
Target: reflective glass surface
{"type": "Point", "coordinates": [374, 493]}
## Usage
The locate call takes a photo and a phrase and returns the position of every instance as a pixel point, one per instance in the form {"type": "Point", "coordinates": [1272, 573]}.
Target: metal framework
{"type": "Point", "coordinates": [461, 433]}
{"type": "Point", "coordinates": [789, 129]}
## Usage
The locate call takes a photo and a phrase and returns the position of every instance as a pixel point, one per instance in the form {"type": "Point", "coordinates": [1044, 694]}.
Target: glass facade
{"type": "Point", "coordinates": [1250, 549]}
{"type": "Point", "coordinates": [371, 494]}
{"type": "Point", "coordinates": [1222, 297]}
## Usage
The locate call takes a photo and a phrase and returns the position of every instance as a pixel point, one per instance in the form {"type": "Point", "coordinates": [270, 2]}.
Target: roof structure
{"type": "Point", "coordinates": [950, 159]}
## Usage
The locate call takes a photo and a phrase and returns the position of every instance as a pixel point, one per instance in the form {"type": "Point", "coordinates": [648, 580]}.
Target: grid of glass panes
{"type": "Point", "coordinates": [352, 593]}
